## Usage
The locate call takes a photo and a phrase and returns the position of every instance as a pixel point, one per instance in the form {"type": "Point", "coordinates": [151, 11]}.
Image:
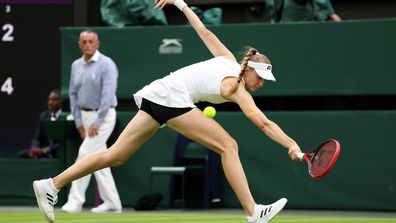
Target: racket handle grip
{"type": "Point", "coordinates": [300, 155]}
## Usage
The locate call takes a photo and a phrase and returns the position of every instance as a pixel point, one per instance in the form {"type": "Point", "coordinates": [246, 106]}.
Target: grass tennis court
{"type": "Point", "coordinates": [185, 217]}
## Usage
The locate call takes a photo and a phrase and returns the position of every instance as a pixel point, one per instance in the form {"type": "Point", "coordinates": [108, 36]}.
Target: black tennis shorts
{"type": "Point", "coordinates": [161, 113]}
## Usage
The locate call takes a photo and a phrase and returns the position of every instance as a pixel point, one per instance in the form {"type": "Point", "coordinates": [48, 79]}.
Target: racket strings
{"type": "Point", "coordinates": [322, 158]}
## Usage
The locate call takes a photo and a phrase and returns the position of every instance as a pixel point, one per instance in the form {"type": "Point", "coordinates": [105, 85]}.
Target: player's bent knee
{"type": "Point", "coordinates": [112, 159]}
{"type": "Point", "coordinates": [229, 148]}
{"type": "Point", "coordinates": [117, 162]}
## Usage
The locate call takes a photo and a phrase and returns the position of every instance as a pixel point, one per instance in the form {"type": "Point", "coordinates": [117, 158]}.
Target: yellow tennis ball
{"type": "Point", "coordinates": [209, 112]}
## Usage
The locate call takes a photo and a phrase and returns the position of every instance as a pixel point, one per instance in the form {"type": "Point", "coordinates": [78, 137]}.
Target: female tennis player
{"type": "Point", "coordinates": [171, 100]}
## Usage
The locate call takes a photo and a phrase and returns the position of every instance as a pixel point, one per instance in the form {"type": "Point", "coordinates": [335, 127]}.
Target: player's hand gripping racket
{"type": "Point", "coordinates": [321, 160]}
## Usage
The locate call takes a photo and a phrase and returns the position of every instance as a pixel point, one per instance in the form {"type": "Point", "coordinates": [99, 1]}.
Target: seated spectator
{"type": "Point", "coordinates": [41, 146]}
{"type": "Point", "coordinates": [301, 10]}
{"type": "Point", "coordinates": [120, 13]}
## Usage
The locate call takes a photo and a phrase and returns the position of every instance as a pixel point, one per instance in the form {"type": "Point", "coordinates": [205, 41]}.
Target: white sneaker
{"type": "Point", "coordinates": [71, 208]}
{"type": "Point", "coordinates": [46, 197]}
{"type": "Point", "coordinates": [104, 208]}
{"type": "Point", "coordinates": [265, 213]}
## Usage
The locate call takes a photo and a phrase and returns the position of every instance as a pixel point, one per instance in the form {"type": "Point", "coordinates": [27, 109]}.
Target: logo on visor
{"type": "Point", "coordinates": [269, 67]}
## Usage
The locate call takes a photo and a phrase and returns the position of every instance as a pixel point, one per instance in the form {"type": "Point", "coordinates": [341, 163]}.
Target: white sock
{"type": "Point", "coordinates": [252, 218]}
{"type": "Point", "coordinates": [52, 185]}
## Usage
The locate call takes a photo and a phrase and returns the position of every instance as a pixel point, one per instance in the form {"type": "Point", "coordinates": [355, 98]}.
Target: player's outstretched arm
{"type": "Point", "coordinates": [215, 46]}
{"type": "Point", "coordinates": [257, 117]}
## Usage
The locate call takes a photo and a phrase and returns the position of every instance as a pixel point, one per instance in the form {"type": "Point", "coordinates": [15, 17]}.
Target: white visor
{"type": "Point", "coordinates": [264, 70]}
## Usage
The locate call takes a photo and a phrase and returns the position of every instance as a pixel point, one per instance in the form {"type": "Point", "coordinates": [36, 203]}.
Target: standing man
{"type": "Point", "coordinates": [92, 93]}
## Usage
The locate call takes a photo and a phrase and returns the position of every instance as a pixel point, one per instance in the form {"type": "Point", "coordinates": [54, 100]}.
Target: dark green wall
{"type": "Point", "coordinates": [362, 179]}
{"type": "Point", "coordinates": [348, 58]}
{"type": "Point", "coordinates": [17, 176]}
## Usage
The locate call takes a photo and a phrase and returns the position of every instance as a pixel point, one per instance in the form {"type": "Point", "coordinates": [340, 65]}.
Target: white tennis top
{"type": "Point", "coordinates": [191, 84]}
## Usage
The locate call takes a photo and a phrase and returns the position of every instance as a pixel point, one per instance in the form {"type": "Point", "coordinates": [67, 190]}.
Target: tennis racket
{"type": "Point", "coordinates": [321, 160]}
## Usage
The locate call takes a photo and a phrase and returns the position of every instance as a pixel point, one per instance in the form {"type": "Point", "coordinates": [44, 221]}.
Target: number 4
{"type": "Point", "coordinates": [7, 86]}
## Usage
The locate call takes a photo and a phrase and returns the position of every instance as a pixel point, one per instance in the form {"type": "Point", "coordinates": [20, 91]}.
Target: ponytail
{"type": "Point", "coordinates": [249, 53]}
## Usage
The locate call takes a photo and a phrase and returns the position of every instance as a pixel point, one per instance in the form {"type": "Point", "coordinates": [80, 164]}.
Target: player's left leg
{"type": "Point", "coordinates": [139, 129]}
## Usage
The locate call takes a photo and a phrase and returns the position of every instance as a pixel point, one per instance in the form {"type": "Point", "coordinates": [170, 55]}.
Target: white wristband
{"type": "Point", "coordinates": [180, 4]}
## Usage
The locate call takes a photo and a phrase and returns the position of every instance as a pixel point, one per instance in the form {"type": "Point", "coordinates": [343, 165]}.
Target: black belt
{"type": "Point", "coordinates": [89, 109]}
{"type": "Point", "coordinates": [92, 109]}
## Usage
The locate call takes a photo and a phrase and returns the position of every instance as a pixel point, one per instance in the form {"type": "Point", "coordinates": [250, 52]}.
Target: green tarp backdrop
{"type": "Point", "coordinates": [348, 58]}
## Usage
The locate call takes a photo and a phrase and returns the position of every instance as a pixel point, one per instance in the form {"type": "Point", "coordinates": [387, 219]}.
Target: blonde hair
{"type": "Point", "coordinates": [251, 54]}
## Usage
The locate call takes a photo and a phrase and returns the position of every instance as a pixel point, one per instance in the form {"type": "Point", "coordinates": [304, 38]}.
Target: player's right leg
{"type": "Point", "coordinates": [209, 133]}
{"type": "Point", "coordinates": [138, 130]}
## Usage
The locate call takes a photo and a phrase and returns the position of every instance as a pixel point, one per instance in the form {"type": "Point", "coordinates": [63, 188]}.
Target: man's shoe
{"type": "Point", "coordinates": [71, 208]}
{"type": "Point", "coordinates": [103, 208]}
{"type": "Point", "coordinates": [46, 197]}
{"type": "Point", "coordinates": [265, 213]}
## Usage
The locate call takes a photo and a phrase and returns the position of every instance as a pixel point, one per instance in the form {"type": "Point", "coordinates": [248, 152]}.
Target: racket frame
{"type": "Point", "coordinates": [307, 158]}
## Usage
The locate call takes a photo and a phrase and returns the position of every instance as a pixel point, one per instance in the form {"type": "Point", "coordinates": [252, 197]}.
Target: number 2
{"type": "Point", "coordinates": [7, 86]}
{"type": "Point", "coordinates": [7, 37]}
